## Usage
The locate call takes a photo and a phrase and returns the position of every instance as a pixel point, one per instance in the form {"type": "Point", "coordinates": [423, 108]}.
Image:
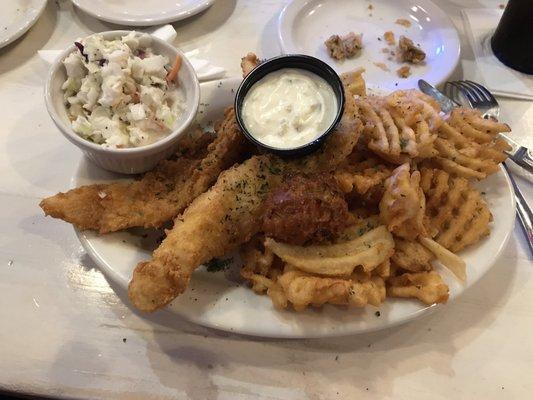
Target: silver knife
{"type": "Point", "coordinates": [524, 212]}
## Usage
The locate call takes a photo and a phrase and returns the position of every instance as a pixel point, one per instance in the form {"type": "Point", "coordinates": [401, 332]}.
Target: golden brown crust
{"type": "Point", "coordinates": [305, 210]}
{"type": "Point", "coordinates": [160, 194]}
{"type": "Point", "coordinates": [215, 223]}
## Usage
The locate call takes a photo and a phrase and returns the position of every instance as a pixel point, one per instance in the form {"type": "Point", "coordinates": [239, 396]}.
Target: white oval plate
{"type": "Point", "coordinates": [17, 16]}
{"type": "Point", "coordinates": [217, 300]}
{"type": "Point", "coordinates": [142, 12]}
{"type": "Point", "coordinates": [304, 25]}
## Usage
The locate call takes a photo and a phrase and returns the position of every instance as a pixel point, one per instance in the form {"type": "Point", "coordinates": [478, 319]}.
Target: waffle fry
{"type": "Point", "coordinates": [403, 204]}
{"type": "Point", "coordinates": [399, 127]}
{"type": "Point", "coordinates": [260, 267]}
{"type": "Point", "coordinates": [456, 214]}
{"type": "Point", "coordinates": [302, 289]}
{"type": "Point", "coordinates": [339, 259]}
{"type": "Point", "coordinates": [362, 176]}
{"type": "Point", "coordinates": [428, 287]}
{"type": "Point", "coordinates": [411, 256]}
{"type": "Point", "coordinates": [468, 145]}
{"type": "Point", "coordinates": [414, 106]}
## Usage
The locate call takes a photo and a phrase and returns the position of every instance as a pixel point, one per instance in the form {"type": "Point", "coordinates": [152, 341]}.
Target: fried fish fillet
{"type": "Point", "coordinates": [226, 216]}
{"type": "Point", "coordinates": [216, 222]}
{"type": "Point", "coordinates": [159, 195]}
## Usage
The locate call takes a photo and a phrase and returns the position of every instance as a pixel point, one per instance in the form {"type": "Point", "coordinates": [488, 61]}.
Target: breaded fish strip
{"type": "Point", "coordinates": [215, 223]}
{"type": "Point", "coordinates": [227, 215]}
{"type": "Point", "coordinates": [160, 194]}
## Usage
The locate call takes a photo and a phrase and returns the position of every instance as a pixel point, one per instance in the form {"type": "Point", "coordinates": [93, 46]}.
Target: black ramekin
{"type": "Point", "coordinates": [298, 61]}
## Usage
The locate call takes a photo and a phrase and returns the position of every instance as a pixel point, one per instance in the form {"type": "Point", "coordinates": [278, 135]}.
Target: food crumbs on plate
{"type": "Point", "coordinates": [403, 72]}
{"type": "Point", "coordinates": [403, 22]}
{"type": "Point", "coordinates": [342, 47]}
{"type": "Point", "coordinates": [409, 52]}
{"type": "Point", "coordinates": [124, 340]}
{"type": "Point", "coordinates": [377, 314]}
{"type": "Point", "coordinates": [502, 6]}
{"type": "Point", "coordinates": [382, 66]}
{"type": "Point", "coordinates": [389, 38]}
{"type": "Point", "coordinates": [370, 7]}
{"type": "Point", "coordinates": [385, 50]}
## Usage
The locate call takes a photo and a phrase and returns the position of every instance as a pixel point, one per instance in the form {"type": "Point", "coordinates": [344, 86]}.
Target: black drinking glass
{"type": "Point", "coordinates": [512, 42]}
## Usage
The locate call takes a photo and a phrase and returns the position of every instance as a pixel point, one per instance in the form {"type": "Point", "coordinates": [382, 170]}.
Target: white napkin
{"type": "Point", "coordinates": [498, 78]}
{"type": "Point", "coordinates": [204, 69]}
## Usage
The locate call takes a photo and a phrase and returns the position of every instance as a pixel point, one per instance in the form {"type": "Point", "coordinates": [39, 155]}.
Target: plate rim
{"type": "Point", "coordinates": [290, 10]}
{"type": "Point", "coordinates": [144, 21]}
{"type": "Point", "coordinates": [287, 334]}
{"type": "Point", "coordinates": [27, 25]}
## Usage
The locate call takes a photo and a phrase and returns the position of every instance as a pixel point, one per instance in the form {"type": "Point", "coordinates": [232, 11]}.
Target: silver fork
{"type": "Point", "coordinates": [478, 97]}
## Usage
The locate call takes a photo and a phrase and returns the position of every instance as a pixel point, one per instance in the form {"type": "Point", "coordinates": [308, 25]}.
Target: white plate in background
{"type": "Point", "coordinates": [304, 25]}
{"type": "Point", "coordinates": [16, 17]}
{"type": "Point", "coordinates": [142, 12]}
{"type": "Point", "coordinates": [219, 301]}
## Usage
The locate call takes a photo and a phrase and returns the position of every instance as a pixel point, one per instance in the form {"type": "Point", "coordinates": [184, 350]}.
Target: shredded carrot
{"type": "Point", "coordinates": [173, 73]}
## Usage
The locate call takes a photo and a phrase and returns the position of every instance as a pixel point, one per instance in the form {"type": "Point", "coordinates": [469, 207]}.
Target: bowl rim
{"type": "Point", "coordinates": [245, 86]}
{"type": "Point", "coordinates": [86, 144]}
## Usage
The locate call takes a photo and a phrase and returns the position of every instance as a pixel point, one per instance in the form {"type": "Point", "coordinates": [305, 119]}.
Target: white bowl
{"type": "Point", "coordinates": [130, 160]}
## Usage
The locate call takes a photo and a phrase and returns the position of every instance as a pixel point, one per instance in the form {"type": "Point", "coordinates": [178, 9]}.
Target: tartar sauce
{"type": "Point", "coordinates": [289, 108]}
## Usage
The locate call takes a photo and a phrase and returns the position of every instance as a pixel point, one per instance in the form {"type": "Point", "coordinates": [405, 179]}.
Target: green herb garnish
{"type": "Point", "coordinates": [216, 265]}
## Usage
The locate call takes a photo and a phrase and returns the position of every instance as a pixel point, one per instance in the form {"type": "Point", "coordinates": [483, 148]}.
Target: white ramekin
{"type": "Point", "coordinates": [131, 160]}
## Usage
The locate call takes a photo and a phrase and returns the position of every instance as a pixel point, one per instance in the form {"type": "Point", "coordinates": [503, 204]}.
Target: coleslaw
{"type": "Point", "coordinates": [118, 93]}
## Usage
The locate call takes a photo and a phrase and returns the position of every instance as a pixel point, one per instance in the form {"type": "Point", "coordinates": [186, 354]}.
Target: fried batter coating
{"type": "Point", "coordinates": [216, 222]}
{"type": "Point", "coordinates": [403, 204]}
{"type": "Point", "coordinates": [160, 194]}
{"type": "Point", "coordinates": [306, 210]}
{"type": "Point", "coordinates": [198, 236]}
{"type": "Point", "coordinates": [302, 289]}
{"type": "Point", "coordinates": [428, 287]}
